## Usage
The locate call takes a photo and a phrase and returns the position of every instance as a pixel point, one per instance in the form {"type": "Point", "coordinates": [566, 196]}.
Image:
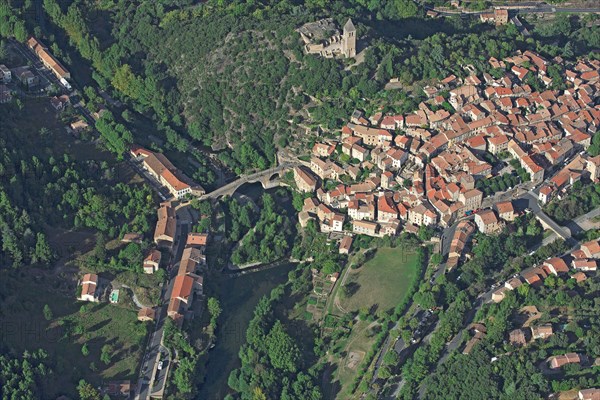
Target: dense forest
{"type": "Point", "coordinates": [23, 377]}
{"type": "Point", "coordinates": [270, 238]}
{"type": "Point", "coordinates": [41, 189]}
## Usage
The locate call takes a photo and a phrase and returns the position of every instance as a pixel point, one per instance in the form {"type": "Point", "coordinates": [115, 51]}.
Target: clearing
{"type": "Point", "coordinates": [70, 326]}
{"type": "Point", "coordinates": [382, 282]}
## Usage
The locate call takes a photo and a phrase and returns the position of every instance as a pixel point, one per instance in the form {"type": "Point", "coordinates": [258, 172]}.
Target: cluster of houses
{"type": "Point", "coordinates": [581, 261]}
{"type": "Point", "coordinates": [22, 75]}
{"type": "Point", "coordinates": [25, 76]}
{"type": "Point", "coordinates": [188, 282]}
{"type": "Point", "coordinates": [421, 168]}
{"type": "Point", "coordinates": [161, 169]}
{"type": "Point", "coordinates": [522, 336]}
{"type": "Point", "coordinates": [572, 172]}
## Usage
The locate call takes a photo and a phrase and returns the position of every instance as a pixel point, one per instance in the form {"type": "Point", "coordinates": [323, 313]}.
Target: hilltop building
{"type": "Point", "coordinates": [322, 37]}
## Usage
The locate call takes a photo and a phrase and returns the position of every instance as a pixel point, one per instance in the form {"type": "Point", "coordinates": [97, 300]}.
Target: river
{"type": "Point", "coordinates": [238, 295]}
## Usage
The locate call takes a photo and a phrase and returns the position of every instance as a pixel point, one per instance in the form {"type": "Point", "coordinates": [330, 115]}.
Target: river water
{"type": "Point", "coordinates": [238, 295]}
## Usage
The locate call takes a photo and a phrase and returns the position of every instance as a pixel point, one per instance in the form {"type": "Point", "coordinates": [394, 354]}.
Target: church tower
{"type": "Point", "coordinates": [349, 39]}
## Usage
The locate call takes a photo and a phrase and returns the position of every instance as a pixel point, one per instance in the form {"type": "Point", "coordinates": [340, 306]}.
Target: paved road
{"type": "Point", "coordinates": [532, 199]}
{"type": "Point", "coordinates": [532, 8]}
{"type": "Point", "coordinates": [482, 299]}
{"type": "Point", "coordinates": [525, 195]}
{"type": "Point", "coordinates": [45, 75]}
{"type": "Point", "coordinates": [154, 346]}
{"type": "Point", "coordinates": [582, 223]}
{"type": "Point", "coordinates": [47, 78]}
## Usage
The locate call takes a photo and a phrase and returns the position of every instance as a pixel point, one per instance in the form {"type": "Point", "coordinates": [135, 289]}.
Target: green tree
{"type": "Point", "coordinates": [106, 354]}
{"type": "Point", "coordinates": [84, 350]}
{"type": "Point", "coordinates": [87, 391]}
{"type": "Point", "coordinates": [43, 253]}
{"type": "Point", "coordinates": [281, 349]}
{"type": "Point", "coordinates": [214, 308]}
{"type": "Point", "coordinates": [20, 31]}
{"type": "Point", "coordinates": [47, 312]}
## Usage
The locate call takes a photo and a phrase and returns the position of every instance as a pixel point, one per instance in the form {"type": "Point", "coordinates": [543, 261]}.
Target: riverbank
{"type": "Point", "coordinates": [259, 266]}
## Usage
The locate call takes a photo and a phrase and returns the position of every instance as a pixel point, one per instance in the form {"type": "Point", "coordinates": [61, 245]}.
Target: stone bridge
{"type": "Point", "coordinates": [268, 178]}
{"type": "Point", "coordinates": [548, 223]}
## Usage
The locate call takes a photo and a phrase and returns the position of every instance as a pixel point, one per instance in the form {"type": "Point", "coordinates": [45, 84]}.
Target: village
{"type": "Point", "coordinates": [458, 165]}
{"type": "Point", "coordinates": [404, 173]}
{"type": "Point", "coordinates": [431, 167]}
{"type": "Point", "coordinates": [180, 252]}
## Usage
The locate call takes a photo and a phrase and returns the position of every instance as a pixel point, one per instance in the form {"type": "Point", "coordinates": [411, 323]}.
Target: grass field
{"type": "Point", "coordinates": [26, 328]}
{"type": "Point", "coordinates": [382, 282]}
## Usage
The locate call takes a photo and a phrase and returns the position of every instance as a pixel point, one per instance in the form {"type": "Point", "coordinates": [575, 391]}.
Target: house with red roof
{"type": "Point", "coordinates": [386, 209]}
{"type": "Point", "coordinates": [89, 288]}
{"type": "Point", "coordinates": [556, 266]}
{"type": "Point", "coordinates": [152, 261]}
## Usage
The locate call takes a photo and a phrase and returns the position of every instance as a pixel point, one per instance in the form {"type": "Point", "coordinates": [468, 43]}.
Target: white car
{"type": "Point", "coordinates": [160, 364]}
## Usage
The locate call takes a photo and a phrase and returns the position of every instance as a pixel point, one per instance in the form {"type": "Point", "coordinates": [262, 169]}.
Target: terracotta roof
{"type": "Point", "coordinates": [591, 248]}
{"type": "Point", "coordinates": [505, 207]}
{"type": "Point", "coordinates": [47, 58]}
{"type": "Point", "coordinates": [182, 288]}
{"type": "Point", "coordinates": [557, 265]}
{"type": "Point", "coordinates": [386, 205]}
{"type": "Point", "coordinates": [161, 166]}
{"type": "Point", "coordinates": [196, 239]}
{"type": "Point", "coordinates": [346, 243]}
{"type": "Point", "coordinates": [174, 181]}
{"type": "Point", "coordinates": [186, 266]}
{"type": "Point", "coordinates": [91, 278]}
{"type": "Point", "coordinates": [307, 178]}
{"type": "Point", "coordinates": [153, 256]}
{"type": "Point", "coordinates": [166, 224]}
{"type": "Point", "coordinates": [585, 263]}
{"type": "Point", "coordinates": [174, 306]}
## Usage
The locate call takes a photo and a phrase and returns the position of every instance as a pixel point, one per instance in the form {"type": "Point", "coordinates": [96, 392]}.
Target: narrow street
{"type": "Point", "coordinates": [154, 348]}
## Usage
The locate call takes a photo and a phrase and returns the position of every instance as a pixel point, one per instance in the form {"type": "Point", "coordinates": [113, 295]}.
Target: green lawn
{"type": "Point", "coordinates": [383, 281]}
{"type": "Point", "coordinates": [25, 328]}
{"type": "Point", "coordinates": [380, 284]}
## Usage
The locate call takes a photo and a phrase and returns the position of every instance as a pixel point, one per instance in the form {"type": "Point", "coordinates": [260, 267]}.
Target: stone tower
{"type": "Point", "coordinates": [349, 39]}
